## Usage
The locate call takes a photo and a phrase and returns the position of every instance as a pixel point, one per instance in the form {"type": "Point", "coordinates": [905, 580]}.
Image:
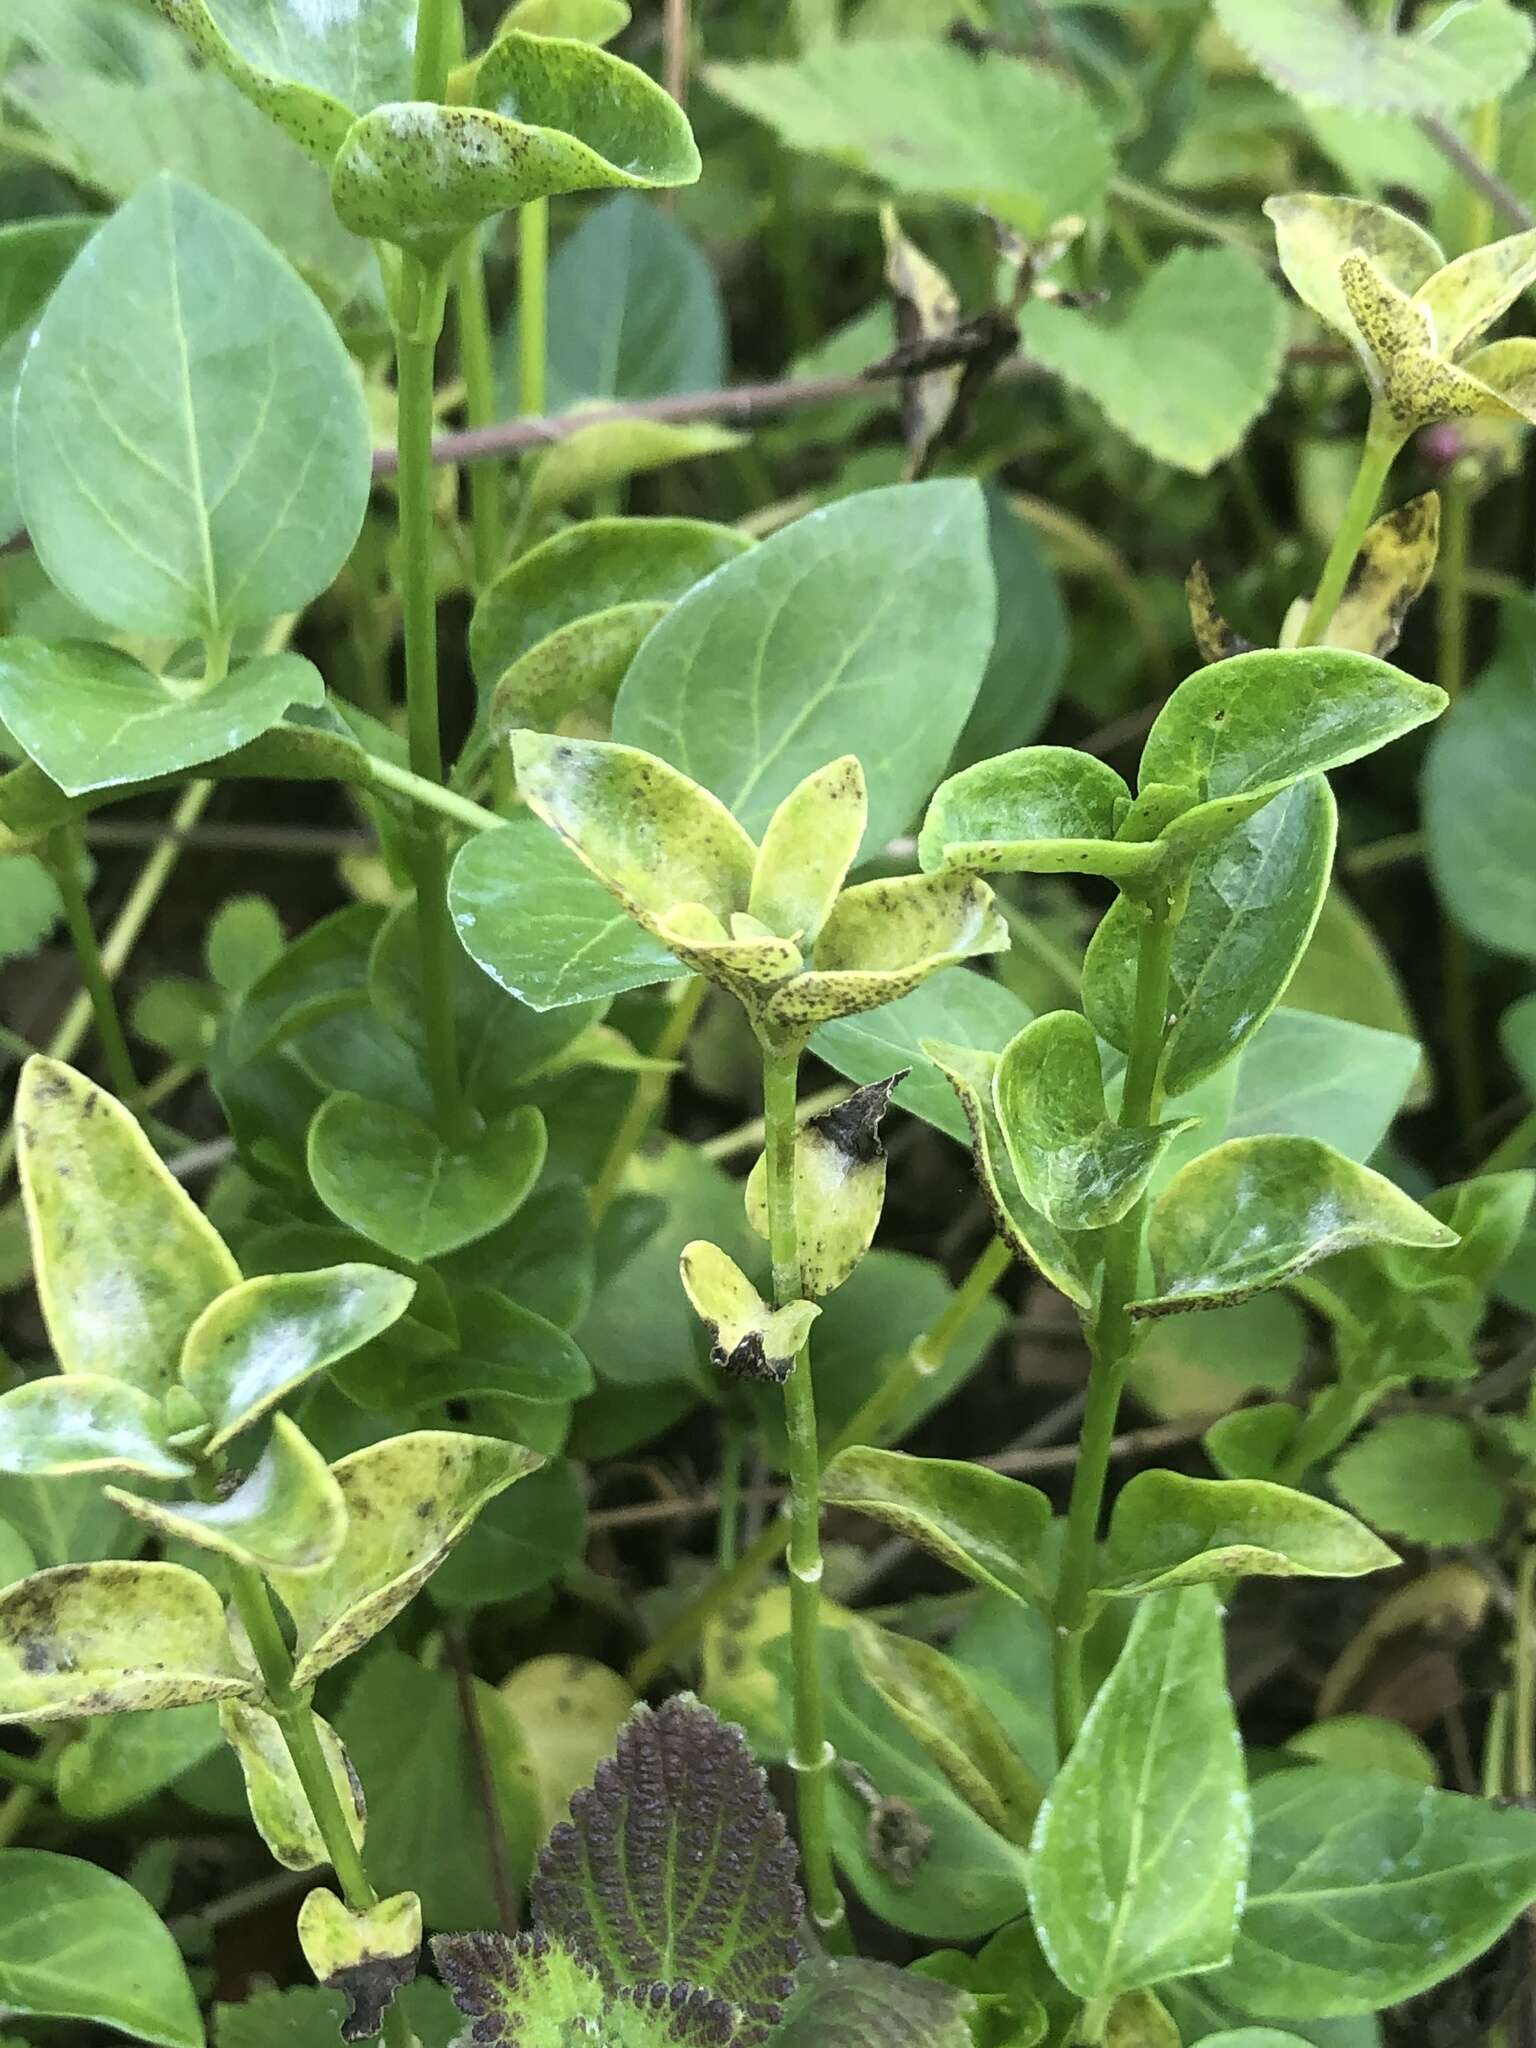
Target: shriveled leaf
{"type": "Point", "coordinates": [125, 1262]}
{"type": "Point", "coordinates": [1324, 51]}
{"type": "Point", "coordinates": [288, 1515]}
{"type": "Point", "coordinates": [92, 718]}
{"type": "Point", "coordinates": [1395, 562]}
{"type": "Point", "coordinates": [981, 1523]}
{"type": "Point", "coordinates": [1141, 1852]}
{"type": "Point", "coordinates": [747, 1338]}
{"type": "Point", "coordinates": [368, 1956]}
{"type": "Point", "coordinates": [1038, 810]}
{"type": "Point", "coordinates": [112, 1638]}
{"type": "Point", "coordinates": [408, 1501]}
{"type": "Point", "coordinates": [256, 1343]}
{"type": "Point", "coordinates": [847, 2003]}
{"type": "Point", "coordinates": [391, 1177]}
{"type": "Point", "coordinates": [279, 1805]}
{"type": "Point", "coordinates": [84, 1422]}
{"type": "Point", "coordinates": [1170, 1530]}
{"type": "Point", "coordinates": [930, 119]}
{"type": "Point", "coordinates": [1186, 366]}
{"type": "Point", "coordinates": [1254, 1211]}
{"type": "Point", "coordinates": [1366, 1889]}
{"type": "Point", "coordinates": [823, 641]}
{"type": "Point", "coordinates": [83, 1944]}
{"type": "Point", "coordinates": [700, 1873]}
{"type": "Point", "coordinates": [1073, 1162]}
{"type": "Point", "coordinates": [224, 489]}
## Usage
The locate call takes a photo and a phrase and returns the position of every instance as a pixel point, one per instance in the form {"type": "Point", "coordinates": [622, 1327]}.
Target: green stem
{"type": "Point", "coordinates": [1522, 1783]}
{"type": "Point", "coordinates": [650, 1091]}
{"type": "Point", "coordinates": [1111, 1334]}
{"type": "Point", "coordinates": [532, 307]}
{"type": "Point", "coordinates": [1450, 672]}
{"type": "Point", "coordinates": [36, 1772]}
{"type": "Point", "coordinates": [1495, 1744]}
{"type": "Point", "coordinates": [437, 31]}
{"type": "Point", "coordinates": [733, 1449]}
{"type": "Point", "coordinates": [19, 1804]}
{"type": "Point", "coordinates": [1382, 441]}
{"type": "Point", "coordinates": [486, 526]}
{"type": "Point", "coordinates": [1515, 1148]}
{"type": "Point", "coordinates": [922, 1358]}
{"type": "Point", "coordinates": [418, 324]}
{"type": "Point", "coordinates": [66, 852]}
{"type": "Point", "coordinates": [812, 1757]}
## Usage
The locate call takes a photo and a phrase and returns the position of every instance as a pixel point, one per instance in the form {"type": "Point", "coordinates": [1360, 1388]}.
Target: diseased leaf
{"type": "Point", "coordinates": [125, 1262]}
{"type": "Point", "coordinates": [928, 118]}
{"type": "Point", "coordinates": [1186, 366]}
{"type": "Point", "coordinates": [82, 1944]}
{"type": "Point", "coordinates": [1366, 1889]}
{"type": "Point", "coordinates": [1038, 810]}
{"type": "Point", "coordinates": [596, 457]}
{"type": "Point", "coordinates": [1395, 562]}
{"type": "Point", "coordinates": [84, 1422]}
{"type": "Point", "coordinates": [367, 1956]}
{"type": "Point", "coordinates": [746, 1337]}
{"type": "Point", "coordinates": [113, 1638]}
{"type": "Point", "coordinates": [675, 1864]}
{"type": "Point", "coordinates": [287, 1515]}
{"type": "Point", "coordinates": [1170, 1530]}
{"type": "Point", "coordinates": [824, 641]}
{"type": "Point", "coordinates": [810, 843]}
{"type": "Point", "coordinates": [839, 1165]}
{"type": "Point", "coordinates": [255, 1344]}
{"type": "Point", "coordinates": [229, 485]}
{"type": "Point", "coordinates": [92, 718]}
{"type": "Point", "coordinates": [278, 1802]}
{"type": "Point", "coordinates": [571, 1710]}
{"type": "Point", "coordinates": [1141, 1852]}
{"type": "Point", "coordinates": [969, 1010]}
{"type": "Point", "coordinates": [842, 2002]}
{"type": "Point", "coordinates": [982, 1524]}
{"type": "Point", "coordinates": [408, 1501]}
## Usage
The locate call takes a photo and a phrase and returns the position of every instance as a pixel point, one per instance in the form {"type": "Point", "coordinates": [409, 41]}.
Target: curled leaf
{"type": "Point", "coordinates": [1038, 810]}
{"type": "Point", "coordinates": [1170, 1530]}
{"type": "Point", "coordinates": [367, 1956]}
{"type": "Point", "coordinates": [1213, 636]}
{"type": "Point", "coordinates": [1395, 562]}
{"type": "Point", "coordinates": [747, 1338]}
{"type": "Point", "coordinates": [288, 1515]}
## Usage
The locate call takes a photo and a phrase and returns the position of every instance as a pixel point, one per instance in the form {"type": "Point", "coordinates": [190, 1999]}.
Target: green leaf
{"type": "Point", "coordinates": [408, 1501]}
{"type": "Point", "coordinates": [244, 939]}
{"type": "Point", "coordinates": [634, 312]}
{"type": "Point", "coordinates": [593, 458]}
{"type": "Point", "coordinates": [84, 1422]}
{"type": "Point", "coordinates": [535, 1992]}
{"type": "Point", "coordinates": [597, 566]}
{"type": "Point", "coordinates": [125, 1262]}
{"type": "Point", "coordinates": [287, 1515]}
{"type": "Point", "coordinates": [307, 2017]}
{"type": "Point", "coordinates": [1038, 810]}
{"type": "Point", "coordinates": [222, 492]}
{"type": "Point", "coordinates": [982, 1524]}
{"type": "Point", "coordinates": [93, 718]}
{"type": "Point", "coordinates": [969, 1010]}
{"type": "Point", "coordinates": [324, 970]}
{"type": "Point", "coordinates": [1251, 1213]}
{"type": "Point", "coordinates": [1367, 1742]}
{"type": "Point", "coordinates": [30, 905]}
{"type": "Point", "coordinates": [521, 1542]}
{"type": "Point", "coordinates": [823, 641]}
{"type": "Point", "coordinates": [1254, 896]}
{"type": "Point", "coordinates": [393, 1179]}
{"type": "Point", "coordinates": [571, 1710]}
{"type": "Point", "coordinates": [404, 1731]}
{"type": "Point", "coordinates": [1479, 810]}
{"type": "Point", "coordinates": [1065, 1260]}
{"type": "Point", "coordinates": [1141, 1851]}
{"type": "Point", "coordinates": [1170, 1530]}
{"type": "Point", "coordinates": [1242, 730]}
{"type": "Point", "coordinates": [533, 918]}
{"type": "Point", "coordinates": [1073, 1162]}
{"type": "Point", "coordinates": [567, 118]}
{"type": "Point", "coordinates": [34, 255]}
{"type": "Point", "coordinates": [1185, 366]}
{"type": "Point", "coordinates": [587, 21]}
{"type": "Point", "coordinates": [842, 2002]}
{"type": "Point", "coordinates": [1029, 655]}
{"type": "Point", "coordinates": [1319, 1077]}
{"type": "Point", "coordinates": [122, 1759]}
{"type": "Point", "coordinates": [1365, 1890]}
{"type": "Point", "coordinates": [701, 1872]}
{"type": "Point", "coordinates": [1323, 51]}
{"type": "Point", "coordinates": [279, 1805]}
{"type": "Point", "coordinates": [1252, 2037]}
{"type": "Point", "coordinates": [113, 1638]}
{"type": "Point", "coordinates": [256, 1343]}
{"type": "Point", "coordinates": [1420, 1476]}
{"type": "Point", "coordinates": [82, 1944]}
{"type": "Point", "coordinates": [309, 72]}
{"type": "Point", "coordinates": [936, 1704]}
{"type": "Point", "coordinates": [930, 119]}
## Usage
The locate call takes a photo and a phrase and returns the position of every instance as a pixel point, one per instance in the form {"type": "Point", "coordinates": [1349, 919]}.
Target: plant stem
{"type": "Point", "coordinates": [922, 1358]}
{"type": "Point", "coordinates": [66, 852]}
{"type": "Point", "coordinates": [1522, 1782]}
{"type": "Point", "coordinates": [436, 22]}
{"type": "Point", "coordinates": [748, 1137]}
{"type": "Point", "coordinates": [733, 1447]}
{"type": "Point", "coordinates": [36, 1772]}
{"type": "Point", "coordinates": [1382, 441]}
{"type": "Point", "coordinates": [1515, 1148]}
{"type": "Point", "coordinates": [532, 307]}
{"type": "Point", "coordinates": [1450, 672]}
{"type": "Point", "coordinates": [650, 1090]}
{"type": "Point", "coordinates": [812, 1757]}
{"type": "Point", "coordinates": [294, 1717]}
{"type": "Point", "coordinates": [486, 527]}
{"type": "Point", "coordinates": [1111, 1333]}
{"type": "Point", "coordinates": [418, 324]}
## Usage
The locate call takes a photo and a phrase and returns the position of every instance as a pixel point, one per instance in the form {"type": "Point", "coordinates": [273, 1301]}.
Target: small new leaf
{"type": "Point", "coordinates": [839, 1186]}
{"type": "Point", "coordinates": [675, 1865]}
{"type": "Point", "coordinates": [368, 1957]}
{"type": "Point", "coordinates": [809, 845]}
{"type": "Point", "coordinates": [1039, 811]}
{"type": "Point", "coordinates": [748, 1339]}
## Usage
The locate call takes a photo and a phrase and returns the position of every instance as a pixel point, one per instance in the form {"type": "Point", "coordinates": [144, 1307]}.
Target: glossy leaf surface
{"type": "Point", "coordinates": [1170, 1530]}
{"type": "Point", "coordinates": [1038, 810]}
{"type": "Point", "coordinates": [286, 1515]}
{"type": "Point", "coordinates": [982, 1524]}
{"type": "Point", "coordinates": [84, 1422]}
